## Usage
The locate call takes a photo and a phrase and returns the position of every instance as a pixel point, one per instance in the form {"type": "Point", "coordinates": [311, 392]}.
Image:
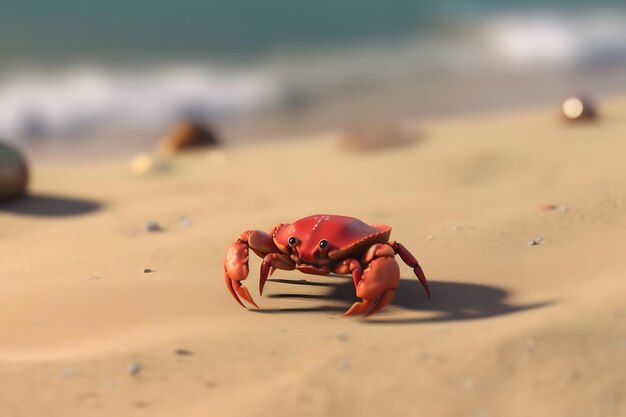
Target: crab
{"type": "Point", "coordinates": [323, 244]}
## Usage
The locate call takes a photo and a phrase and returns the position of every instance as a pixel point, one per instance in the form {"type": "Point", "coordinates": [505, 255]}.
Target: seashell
{"type": "Point", "coordinates": [185, 136]}
{"type": "Point", "coordinates": [577, 109]}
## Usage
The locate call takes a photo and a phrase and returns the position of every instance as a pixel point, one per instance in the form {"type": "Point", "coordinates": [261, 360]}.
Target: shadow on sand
{"type": "Point", "coordinates": [451, 301]}
{"type": "Point", "coordinates": [49, 206]}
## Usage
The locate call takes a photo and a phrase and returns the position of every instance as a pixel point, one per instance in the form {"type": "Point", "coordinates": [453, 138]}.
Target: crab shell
{"type": "Point", "coordinates": [347, 237]}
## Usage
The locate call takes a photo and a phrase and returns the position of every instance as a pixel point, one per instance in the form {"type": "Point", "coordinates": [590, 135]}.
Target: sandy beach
{"type": "Point", "coordinates": [511, 329]}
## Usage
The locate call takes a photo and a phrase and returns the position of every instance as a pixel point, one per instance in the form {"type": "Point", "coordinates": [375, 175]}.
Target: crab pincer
{"type": "Point", "coordinates": [236, 267]}
{"type": "Point", "coordinates": [236, 270]}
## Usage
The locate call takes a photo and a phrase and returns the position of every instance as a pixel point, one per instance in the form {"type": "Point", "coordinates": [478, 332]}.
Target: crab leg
{"type": "Point", "coordinates": [236, 261]}
{"type": "Point", "coordinates": [271, 262]}
{"type": "Point", "coordinates": [350, 266]}
{"type": "Point", "coordinates": [377, 285]}
{"type": "Point", "coordinates": [410, 260]}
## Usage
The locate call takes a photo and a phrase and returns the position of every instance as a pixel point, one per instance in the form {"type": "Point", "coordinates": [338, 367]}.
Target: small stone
{"type": "Point", "coordinates": [65, 372]}
{"type": "Point", "coordinates": [141, 404]}
{"type": "Point", "coordinates": [483, 413]}
{"type": "Point", "coordinates": [431, 237]}
{"type": "Point", "coordinates": [13, 172]}
{"type": "Point", "coordinates": [549, 207]}
{"type": "Point", "coordinates": [378, 136]}
{"type": "Point", "coordinates": [142, 164]}
{"type": "Point", "coordinates": [153, 227]}
{"type": "Point", "coordinates": [133, 368]}
{"type": "Point", "coordinates": [468, 384]}
{"type": "Point", "coordinates": [185, 221]}
{"type": "Point", "coordinates": [576, 109]}
{"type": "Point", "coordinates": [185, 136]}
{"type": "Point", "coordinates": [554, 207]}
{"type": "Point", "coordinates": [342, 337]}
{"type": "Point", "coordinates": [148, 271]}
{"type": "Point", "coordinates": [183, 352]}
{"type": "Point", "coordinates": [535, 242]}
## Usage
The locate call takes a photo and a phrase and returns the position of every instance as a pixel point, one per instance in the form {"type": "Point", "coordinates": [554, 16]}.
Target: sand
{"type": "Point", "coordinates": [511, 329]}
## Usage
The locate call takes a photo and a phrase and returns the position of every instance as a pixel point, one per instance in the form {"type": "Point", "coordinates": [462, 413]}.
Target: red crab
{"type": "Point", "coordinates": [322, 244]}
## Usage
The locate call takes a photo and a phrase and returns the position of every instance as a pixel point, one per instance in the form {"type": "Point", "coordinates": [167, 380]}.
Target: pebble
{"type": "Point", "coordinates": [153, 227]}
{"type": "Point", "coordinates": [147, 271]}
{"type": "Point", "coordinates": [65, 372]}
{"type": "Point", "coordinates": [13, 172]}
{"type": "Point", "coordinates": [483, 413]}
{"type": "Point", "coordinates": [185, 221]}
{"type": "Point", "coordinates": [552, 207]}
{"type": "Point", "coordinates": [144, 164]}
{"type": "Point", "coordinates": [535, 242]}
{"type": "Point", "coordinates": [431, 237]}
{"type": "Point", "coordinates": [183, 352]}
{"type": "Point", "coordinates": [468, 384]}
{"type": "Point", "coordinates": [133, 368]}
{"type": "Point", "coordinates": [187, 135]}
{"type": "Point", "coordinates": [342, 337]}
{"type": "Point", "coordinates": [576, 109]}
{"type": "Point", "coordinates": [378, 136]}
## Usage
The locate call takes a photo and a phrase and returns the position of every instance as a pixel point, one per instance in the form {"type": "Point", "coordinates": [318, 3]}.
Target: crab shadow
{"type": "Point", "coordinates": [42, 205]}
{"type": "Point", "coordinates": [451, 301]}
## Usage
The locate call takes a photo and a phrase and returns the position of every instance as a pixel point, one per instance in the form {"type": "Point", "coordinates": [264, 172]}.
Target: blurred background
{"type": "Point", "coordinates": [110, 77]}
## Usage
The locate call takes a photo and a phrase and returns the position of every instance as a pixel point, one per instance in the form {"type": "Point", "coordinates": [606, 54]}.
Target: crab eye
{"type": "Point", "coordinates": [292, 240]}
{"type": "Point", "coordinates": [323, 243]}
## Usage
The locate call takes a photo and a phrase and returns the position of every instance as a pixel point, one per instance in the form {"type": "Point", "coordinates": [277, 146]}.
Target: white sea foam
{"type": "Point", "coordinates": [83, 99]}
{"type": "Point", "coordinates": [531, 41]}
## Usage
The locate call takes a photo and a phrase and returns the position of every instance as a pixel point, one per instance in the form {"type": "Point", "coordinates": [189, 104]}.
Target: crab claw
{"type": "Point", "coordinates": [236, 270]}
{"type": "Point", "coordinates": [377, 285]}
{"type": "Point", "coordinates": [237, 290]}
{"type": "Point", "coordinates": [369, 307]}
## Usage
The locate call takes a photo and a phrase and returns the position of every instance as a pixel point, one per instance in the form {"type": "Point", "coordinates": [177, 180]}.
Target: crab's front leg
{"type": "Point", "coordinates": [377, 283]}
{"type": "Point", "coordinates": [236, 261]}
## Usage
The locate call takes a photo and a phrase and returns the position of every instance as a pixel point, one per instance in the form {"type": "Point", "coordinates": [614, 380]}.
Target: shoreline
{"type": "Point", "coordinates": [406, 100]}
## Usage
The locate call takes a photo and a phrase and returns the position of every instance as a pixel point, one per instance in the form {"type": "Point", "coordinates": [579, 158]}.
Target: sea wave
{"type": "Point", "coordinates": [83, 99]}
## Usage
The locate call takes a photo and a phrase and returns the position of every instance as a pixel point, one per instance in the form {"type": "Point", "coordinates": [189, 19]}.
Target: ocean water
{"type": "Point", "coordinates": [69, 67]}
{"type": "Point", "coordinates": [241, 29]}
